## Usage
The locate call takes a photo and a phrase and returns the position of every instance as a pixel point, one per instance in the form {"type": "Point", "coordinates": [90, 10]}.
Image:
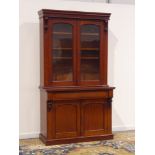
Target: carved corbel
{"type": "Point", "coordinates": [45, 23]}
{"type": "Point", "coordinates": [109, 100]}
{"type": "Point", "coordinates": [49, 105]}
{"type": "Point", "coordinates": [106, 24]}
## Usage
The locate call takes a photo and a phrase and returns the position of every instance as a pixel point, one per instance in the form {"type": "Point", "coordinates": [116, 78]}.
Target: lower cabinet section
{"type": "Point", "coordinates": [77, 120]}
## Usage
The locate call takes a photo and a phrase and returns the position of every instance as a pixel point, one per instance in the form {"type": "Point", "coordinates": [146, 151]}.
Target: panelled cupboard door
{"type": "Point", "coordinates": [93, 114]}
{"type": "Point", "coordinates": [67, 119]}
{"type": "Point", "coordinates": [91, 53]}
{"type": "Point", "coordinates": [61, 52]}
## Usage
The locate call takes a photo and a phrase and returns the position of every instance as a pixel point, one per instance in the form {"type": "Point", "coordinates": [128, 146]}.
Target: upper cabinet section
{"type": "Point", "coordinates": [73, 48]}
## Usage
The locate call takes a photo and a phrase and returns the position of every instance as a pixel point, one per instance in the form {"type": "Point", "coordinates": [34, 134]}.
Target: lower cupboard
{"type": "Point", "coordinates": [76, 120]}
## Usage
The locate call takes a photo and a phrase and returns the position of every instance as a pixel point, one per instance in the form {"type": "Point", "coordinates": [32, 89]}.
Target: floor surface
{"type": "Point", "coordinates": [122, 144]}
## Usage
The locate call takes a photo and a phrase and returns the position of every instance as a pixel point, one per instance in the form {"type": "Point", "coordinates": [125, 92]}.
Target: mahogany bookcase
{"type": "Point", "coordinates": [75, 99]}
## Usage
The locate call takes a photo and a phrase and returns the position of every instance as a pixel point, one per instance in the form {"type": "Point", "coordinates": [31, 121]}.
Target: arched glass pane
{"type": "Point", "coordinates": [62, 52]}
{"type": "Point", "coordinates": [90, 52]}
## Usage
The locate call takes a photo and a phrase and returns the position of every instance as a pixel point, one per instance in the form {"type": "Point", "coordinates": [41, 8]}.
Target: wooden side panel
{"type": "Point", "coordinates": [104, 58]}
{"type": "Point", "coordinates": [43, 113]}
{"type": "Point", "coordinates": [93, 117]}
{"type": "Point", "coordinates": [109, 116]}
{"type": "Point", "coordinates": [51, 120]}
{"type": "Point", "coordinates": [41, 52]}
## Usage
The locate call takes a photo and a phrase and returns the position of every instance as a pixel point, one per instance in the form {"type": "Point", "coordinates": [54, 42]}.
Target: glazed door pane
{"type": "Point", "coordinates": [62, 51]}
{"type": "Point", "coordinates": [89, 52]}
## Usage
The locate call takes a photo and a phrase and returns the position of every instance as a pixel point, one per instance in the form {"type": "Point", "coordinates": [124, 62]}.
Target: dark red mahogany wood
{"type": "Point", "coordinates": [74, 110]}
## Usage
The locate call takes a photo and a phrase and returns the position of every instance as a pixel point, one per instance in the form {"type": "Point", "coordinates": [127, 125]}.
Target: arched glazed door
{"type": "Point", "coordinates": [62, 53]}
{"type": "Point", "coordinates": [91, 53]}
